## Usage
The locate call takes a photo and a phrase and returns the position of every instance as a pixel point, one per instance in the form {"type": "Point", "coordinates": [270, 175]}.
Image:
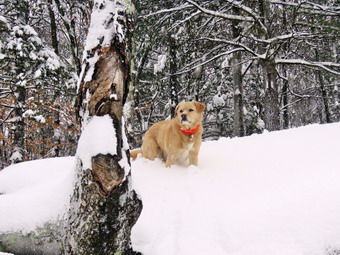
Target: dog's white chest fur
{"type": "Point", "coordinates": [185, 152]}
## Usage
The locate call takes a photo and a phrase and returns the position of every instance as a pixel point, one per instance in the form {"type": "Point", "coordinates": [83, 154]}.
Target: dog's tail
{"type": "Point", "coordinates": [134, 153]}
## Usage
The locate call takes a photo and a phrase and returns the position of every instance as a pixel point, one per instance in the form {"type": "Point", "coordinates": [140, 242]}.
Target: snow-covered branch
{"type": "Point", "coordinates": [323, 65]}
{"type": "Point", "coordinates": [184, 20]}
{"type": "Point", "coordinates": [313, 8]}
{"type": "Point", "coordinates": [209, 60]}
{"type": "Point", "coordinates": [221, 14]}
{"type": "Point", "coordinates": [284, 37]}
{"type": "Point", "coordinates": [249, 11]}
{"type": "Point", "coordinates": [178, 8]}
{"type": "Point", "coordinates": [233, 43]}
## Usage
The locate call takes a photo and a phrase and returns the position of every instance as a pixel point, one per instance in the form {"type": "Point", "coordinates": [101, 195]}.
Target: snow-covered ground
{"type": "Point", "coordinates": [275, 193]}
{"type": "Point", "coordinates": [34, 192]}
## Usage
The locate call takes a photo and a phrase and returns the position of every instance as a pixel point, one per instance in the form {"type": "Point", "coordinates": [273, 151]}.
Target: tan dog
{"type": "Point", "coordinates": [177, 139]}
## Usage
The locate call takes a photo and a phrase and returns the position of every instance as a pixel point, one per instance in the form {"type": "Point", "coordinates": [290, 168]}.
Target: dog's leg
{"type": "Point", "coordinates": [193, 158]}
{"type": "Point", "coordinates": [151, 149]}
{"type": "Point", "coordinates": [193, 155]}
{"type": "Point", "coordinates": [171, 159]}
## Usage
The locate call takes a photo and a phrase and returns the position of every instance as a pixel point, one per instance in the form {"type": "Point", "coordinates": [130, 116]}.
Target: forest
{"type": "Point", "coordinates": [257, 65]}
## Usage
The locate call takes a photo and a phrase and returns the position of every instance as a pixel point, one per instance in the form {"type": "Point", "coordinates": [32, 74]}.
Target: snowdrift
{"type": "Point", "coordinates": [275, 193]}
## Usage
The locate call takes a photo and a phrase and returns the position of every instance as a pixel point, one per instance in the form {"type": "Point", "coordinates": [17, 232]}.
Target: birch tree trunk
{"type": "Point", "coordinates": [103, 206]}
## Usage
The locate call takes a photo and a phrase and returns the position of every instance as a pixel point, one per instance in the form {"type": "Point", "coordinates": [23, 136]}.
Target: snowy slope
{"type": "Point", "coordinates": [276, 193]}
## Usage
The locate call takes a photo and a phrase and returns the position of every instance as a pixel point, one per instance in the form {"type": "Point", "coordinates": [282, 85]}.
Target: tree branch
{"type": "Point", "coordinates": [234, 44]}
{"type": "Point", "coordinates": [209, 60]}
{"type": "Point", "coordinates": [220, 14]}
{"type": "Point", "coordinates": [322, 65]}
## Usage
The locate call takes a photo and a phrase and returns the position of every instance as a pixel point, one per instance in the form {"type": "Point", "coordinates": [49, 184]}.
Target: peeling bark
{"type": "Point", "coordinates": [104, 207]}
{"type": "Point", "coordinates": [107, 172]}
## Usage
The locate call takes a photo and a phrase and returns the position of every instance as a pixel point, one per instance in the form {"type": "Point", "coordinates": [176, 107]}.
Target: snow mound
{"type": "Point", "coordinates": [34, 192]}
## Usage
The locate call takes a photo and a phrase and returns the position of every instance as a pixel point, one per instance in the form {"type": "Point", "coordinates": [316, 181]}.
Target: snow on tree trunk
{"type": "Point", "coordinates": [19, 131]}
{"type": "Point", "coordinates": [103, 206]}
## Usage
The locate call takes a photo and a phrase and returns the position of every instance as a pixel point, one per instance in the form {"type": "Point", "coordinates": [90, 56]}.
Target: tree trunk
{"type": "Point", "coordinates": [19, 131]}
{"type": "Point", "coordinates": [103, 206]}
{"type": "Point", "coordinates": [173, 84]}
{"type": "Point", "coordinates": [43, 241]}
{"type": "Point", "coordinates": [285, 103]}
{"type": "Point", "coordinates": [285, 86]}
{"type": "Point", "coordinates": [238, 95]}
{"type": "Point", "coordinates": [236, 68]}
{"type": "Point", "coordinates": [53, 27]}
{"type": "Point", "coordinates": [323, 92]}
{"type": "Point", "coordinates": [271, 97]}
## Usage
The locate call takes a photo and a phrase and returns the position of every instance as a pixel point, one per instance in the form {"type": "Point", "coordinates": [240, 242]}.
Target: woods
{"type": "Point", "coordinates": [74, 71]}
{"type": "Point", "coordinates": [255, 63]}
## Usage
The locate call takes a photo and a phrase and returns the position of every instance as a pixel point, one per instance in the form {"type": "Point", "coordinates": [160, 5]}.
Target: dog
{"type": "Point", "coordinates": [177, 139]}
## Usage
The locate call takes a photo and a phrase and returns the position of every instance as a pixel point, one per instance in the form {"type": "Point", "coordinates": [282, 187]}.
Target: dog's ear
{"type": "Point", "coordinates": [176, 110]}
{"type": "Point", "coordinates": [199, 106]}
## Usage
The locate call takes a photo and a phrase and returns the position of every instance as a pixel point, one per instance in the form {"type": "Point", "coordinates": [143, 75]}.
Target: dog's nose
{"type": "Point", "coordinates": [184, 116]}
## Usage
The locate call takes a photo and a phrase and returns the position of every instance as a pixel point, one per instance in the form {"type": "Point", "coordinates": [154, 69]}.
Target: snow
{"type": "Point", "coordinates": [102, 29]}
{"type": "Point", "coordinates": [3, 19]}
{"type": "Point", "coordinates": [98, 137]}
{"type": "Point", "coordinates": [16, 156]}
{"type": "Point", "coordinates": [275, 193]}
{"type": "Point", "coordinates": [52, 59]}
{"type": "Point", "coordinates": [160, 65]}
{"type": "Point", "coordinates": [34, 192]}
{"type": "Point", "coordinates": [218, 100]}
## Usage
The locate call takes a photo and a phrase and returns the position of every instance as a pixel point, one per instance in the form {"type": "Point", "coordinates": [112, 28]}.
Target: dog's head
{"type": "Point", "coordinates": [189, 114]}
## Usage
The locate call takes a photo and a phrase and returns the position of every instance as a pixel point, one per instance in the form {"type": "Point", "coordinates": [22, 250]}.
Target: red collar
{"type": "Point", "coordinates": [190, 131]}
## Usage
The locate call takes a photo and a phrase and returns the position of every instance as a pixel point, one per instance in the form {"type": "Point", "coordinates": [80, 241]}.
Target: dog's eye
{"type": "Point", "coordinates": [191, 110]}
{"type": "Point", "coordinates": [181, 111]}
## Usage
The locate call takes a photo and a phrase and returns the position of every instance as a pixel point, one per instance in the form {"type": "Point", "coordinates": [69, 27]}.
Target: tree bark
{"type": "Point", "coordinates": [19, 131]}
{"type": "Point", "coordinates": [103, 206]}
{"type": "Point", "coordinates": [271, 97]}
{"type": "Point", "coordinates": [43, 241]}
{"type": "Point", "coordinates": [173, 84]}
{"type": "Point", "coordinates": [236, 68]}
{"type": "Point", "coordinates": [323, 92]}
{"type": "Point", "coordinates": [53, 27]}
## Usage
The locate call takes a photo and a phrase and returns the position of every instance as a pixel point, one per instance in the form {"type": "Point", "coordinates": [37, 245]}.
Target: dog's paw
{"type": "Point", "coordinates": [193, 170]}
{"type": "Point", "coordinates": [168, 165]}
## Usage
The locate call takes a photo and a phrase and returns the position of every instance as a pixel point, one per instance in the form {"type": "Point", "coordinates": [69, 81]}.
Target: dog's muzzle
{"type": "Point", "coordinates": [184, 118]}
